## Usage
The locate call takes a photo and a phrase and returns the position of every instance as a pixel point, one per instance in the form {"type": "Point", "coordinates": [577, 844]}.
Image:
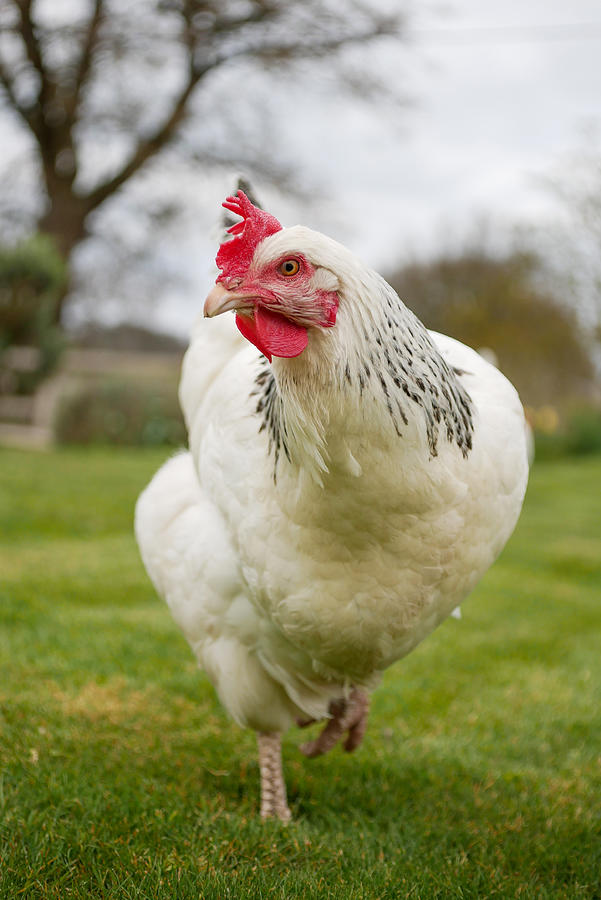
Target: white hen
{"type": "Point", "coordinates": [345, 488]}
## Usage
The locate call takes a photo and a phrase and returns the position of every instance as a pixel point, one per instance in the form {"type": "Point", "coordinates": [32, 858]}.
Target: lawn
{"type": "Point", "coordinates": [480, 775]}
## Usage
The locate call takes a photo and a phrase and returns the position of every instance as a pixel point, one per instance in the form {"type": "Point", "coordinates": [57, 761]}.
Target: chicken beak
{"type": "Point", "coordinates": [220, 300]}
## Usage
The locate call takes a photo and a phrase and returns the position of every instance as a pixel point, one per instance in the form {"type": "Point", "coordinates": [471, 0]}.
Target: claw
{"type": "Point", "coordinates": [304, 723]}
{"type": "Point", "coordinates": [347, 715]}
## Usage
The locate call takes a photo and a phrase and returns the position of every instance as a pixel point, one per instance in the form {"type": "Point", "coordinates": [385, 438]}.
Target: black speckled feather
{"type": "Point", "coordinates": [403, 366]}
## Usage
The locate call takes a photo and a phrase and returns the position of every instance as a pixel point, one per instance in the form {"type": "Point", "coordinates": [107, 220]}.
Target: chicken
{"type": "Point", "coordinates": [350, 478]}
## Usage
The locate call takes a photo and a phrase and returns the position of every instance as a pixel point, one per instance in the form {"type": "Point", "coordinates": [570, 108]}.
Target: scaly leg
{"type": "Point", "coordinates": [347, 715]}
{"type": "Point", "coordinates": [273, 787]}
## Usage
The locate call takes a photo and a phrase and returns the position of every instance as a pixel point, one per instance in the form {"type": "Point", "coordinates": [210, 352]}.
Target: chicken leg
{"type": "Point", "coordinates": [273, 787]}
{"type": "Point", "coordinates": [347, 715]}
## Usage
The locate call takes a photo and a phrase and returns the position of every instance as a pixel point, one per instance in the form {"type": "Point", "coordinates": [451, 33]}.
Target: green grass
{"type": "Point", "coordinates": [480, 775]}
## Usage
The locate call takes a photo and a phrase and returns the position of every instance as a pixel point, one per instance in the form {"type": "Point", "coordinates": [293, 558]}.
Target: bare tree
{"type": "Point", "coordinates": [573, 243]}
{"type": "Point", "coordinates": [104, 87]}
{"type": "Point", "coordinates": [505, 303]}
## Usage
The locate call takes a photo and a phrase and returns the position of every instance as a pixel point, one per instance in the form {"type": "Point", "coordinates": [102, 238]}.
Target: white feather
{"type": "Point", "coordinates": [290, 590]}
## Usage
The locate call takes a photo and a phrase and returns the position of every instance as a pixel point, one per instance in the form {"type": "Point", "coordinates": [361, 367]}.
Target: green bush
{"type": "Point", "coordinates": [584, 432]}
{"type": "Point", "coordinates": [505, 304]}
{"type": "Point", "coordinates": [549, 446]}
{"type": "Point", "coordinates": [32, 276]}
{"type": "Point", "coordinates": [119, 412]}
{"type": "Point", "coordinates": [578, 436]}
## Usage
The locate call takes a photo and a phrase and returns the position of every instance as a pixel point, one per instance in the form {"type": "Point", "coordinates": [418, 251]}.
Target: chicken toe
{"type": "Point", "coordinates": [347, 716]}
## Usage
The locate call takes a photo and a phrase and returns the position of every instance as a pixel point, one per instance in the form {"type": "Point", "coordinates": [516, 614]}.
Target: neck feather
{"type": "Point", "coordinates": [377, 369]}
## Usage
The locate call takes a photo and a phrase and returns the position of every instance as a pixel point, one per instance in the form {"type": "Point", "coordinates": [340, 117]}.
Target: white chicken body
{"type": "Point", "coordinates": [335, 507]}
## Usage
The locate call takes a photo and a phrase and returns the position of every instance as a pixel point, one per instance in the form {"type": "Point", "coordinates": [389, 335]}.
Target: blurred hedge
{"type": "Point", "coordinates": [32, 276]}
{"type": "Point", "coordinates": [578, 435]}
{"type": "Point", "coordinates": [119, 412]}
{"type": "Point", "coordinates": [506, 304]}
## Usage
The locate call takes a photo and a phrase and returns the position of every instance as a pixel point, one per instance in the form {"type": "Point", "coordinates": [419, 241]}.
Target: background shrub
{"type": "Point", "coordinates": [120, 412]}
{"type": "Point", "coordinates": [505, 304]}
{"type": "Point", "coordinates": [579, 435]}
{"type": "Point", "coordinates": [32, 277]}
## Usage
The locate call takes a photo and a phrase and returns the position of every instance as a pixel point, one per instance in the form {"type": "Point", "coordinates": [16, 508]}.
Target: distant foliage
{"type": "Point", "coordinates": [101, 89]}
{"type": "Point", "coordinates": [119, 412]}
{"type": "Point", "coordinates": [578, 435]}
{"type": "Point", "coordinates": [499, 303]}
{"type": "Point", "coordinates": [573, 243]}
{"type": "Point", "coordinates": [32, 276]}
{"type": "Point", "coordinates": [127, 337]}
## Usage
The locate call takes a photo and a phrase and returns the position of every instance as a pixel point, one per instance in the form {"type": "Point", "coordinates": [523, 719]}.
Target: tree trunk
{"type": "Point", "coordinates": [64, 222]}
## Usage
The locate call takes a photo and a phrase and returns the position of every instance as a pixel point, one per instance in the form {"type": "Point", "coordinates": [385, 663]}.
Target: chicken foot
{"type": "Point", "coordinates": [273, 787]}
{"type": "Point", "coordinates": [347, 715]}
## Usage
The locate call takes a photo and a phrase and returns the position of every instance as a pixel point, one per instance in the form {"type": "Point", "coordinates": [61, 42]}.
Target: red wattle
{"type": "Point", "coordinates": [272, 333]}
{"type": "Point", "coordinates": [280, 335]}
{"type": "Point", "coordinates": [246, 327]}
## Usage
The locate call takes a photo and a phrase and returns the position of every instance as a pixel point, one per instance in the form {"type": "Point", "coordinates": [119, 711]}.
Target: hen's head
{"type": "Point", "coordinates": [273, 280]}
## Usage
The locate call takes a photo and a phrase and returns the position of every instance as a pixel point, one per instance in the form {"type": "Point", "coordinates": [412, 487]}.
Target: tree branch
{"type": "Point", "coordinates": [276, 50]}
{"type": "Point", "coordinates": [7, 85]}
{"type": "Point", "coordinates": [254, 17]}
{"type": "Point", "coordinates": [30, 40]}
{"type": "Point", "coordinates": [148, 147]}
{"type": "Point", "coordinates": [33, 116]}
{"type": "Point", "coordinates": [86, 58]}
{"type": "Point", "coordinates": [279, 50]}
{"type": "Point", "coordinates": [29, 114]}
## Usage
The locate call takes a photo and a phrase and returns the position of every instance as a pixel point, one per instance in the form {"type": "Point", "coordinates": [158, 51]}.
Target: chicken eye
{"type": "Point", "coordinates": [289, 267]}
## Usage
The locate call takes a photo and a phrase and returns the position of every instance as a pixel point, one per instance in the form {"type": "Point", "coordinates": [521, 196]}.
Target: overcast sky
{"type": "Point", "coordinates": [501, 93]}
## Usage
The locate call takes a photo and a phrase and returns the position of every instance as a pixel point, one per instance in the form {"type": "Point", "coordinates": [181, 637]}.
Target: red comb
{"type": "Point", "coordinates": [234, 256]}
